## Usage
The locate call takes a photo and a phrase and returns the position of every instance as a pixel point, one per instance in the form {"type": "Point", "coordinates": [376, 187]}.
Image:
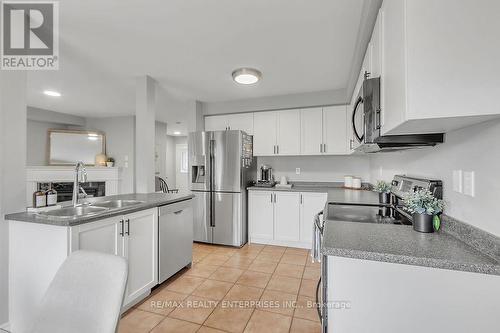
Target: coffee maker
{"type": "Point", "coordinates": [265, 176]}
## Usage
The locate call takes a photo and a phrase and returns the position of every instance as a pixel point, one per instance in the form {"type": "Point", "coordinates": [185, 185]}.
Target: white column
{"type": "Point", "coordinates": [195, 121]}
{"type": "Point", "coordinates": [12, 168]}
{"type": "Point", "coordinates": [145, 134]}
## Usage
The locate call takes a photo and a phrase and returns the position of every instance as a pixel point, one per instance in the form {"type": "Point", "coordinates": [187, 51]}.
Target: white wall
{"type": "Point", "coordinates": [12, 167]}
{"type": "Point", "coordinates": [120, 144]}
{"type": "Point", "coordinates": [310, 99]}
{"type": "Point", "coordinates": [170, 161]}
{"type": "Point", "coordinates": [37, 141]}
{"type": "Point", "coordinates": [318, 168]}
{"type": "Point", "coordinates": [160, 149]}
{"type": "Point", "coordinates": [474, 148]}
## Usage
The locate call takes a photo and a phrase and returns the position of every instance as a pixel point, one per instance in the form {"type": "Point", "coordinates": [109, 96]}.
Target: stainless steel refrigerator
{"type": "Point", "coordinates": [220, 166]}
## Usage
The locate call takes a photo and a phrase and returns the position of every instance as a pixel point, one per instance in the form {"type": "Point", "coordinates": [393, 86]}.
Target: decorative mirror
{"type": "Point", "coordinates": [66, 147]}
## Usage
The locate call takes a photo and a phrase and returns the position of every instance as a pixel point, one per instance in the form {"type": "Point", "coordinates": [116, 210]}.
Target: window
{"type": "Point", "coordinates": [184, 162]}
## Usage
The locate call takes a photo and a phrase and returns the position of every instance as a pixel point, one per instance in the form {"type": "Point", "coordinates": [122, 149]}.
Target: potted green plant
{"type": "Point", "coordinates": [110, 162]}
{"type": "Point", "coordinates": [425, 209]}
{"type": "Point", "coordinates": [384, 189]}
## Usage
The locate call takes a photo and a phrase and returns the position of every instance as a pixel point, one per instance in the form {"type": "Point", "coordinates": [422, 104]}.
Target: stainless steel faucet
{"type": "Point", "coordinates": [80, 177]}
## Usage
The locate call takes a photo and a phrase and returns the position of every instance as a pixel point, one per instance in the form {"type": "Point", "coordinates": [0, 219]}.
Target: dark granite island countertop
{"type": "Point", "coordinates": [401, 244]}
{"type": "Point", "coordinates": [148, 200]}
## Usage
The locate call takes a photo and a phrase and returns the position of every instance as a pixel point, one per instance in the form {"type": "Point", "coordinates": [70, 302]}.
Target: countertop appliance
{"type": "Point", "coordinates": [220, 167]}
{"type": "Point", "coordinates": [368, 107]}
{"type": "Point", "coordinates": [367, 209]}
{"type": "Point", "coordinates": [175, 238]}
{"type": "Point", "coordinates": [265, 177]}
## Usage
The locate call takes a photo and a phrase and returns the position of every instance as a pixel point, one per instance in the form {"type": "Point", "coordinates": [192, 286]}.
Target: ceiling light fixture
{"type": "Point", "coordinates": [177, 133]}
{"type": "Point", "coordinates": [246, 75]}
{"type": "Point", "coordinates": [52, 93]}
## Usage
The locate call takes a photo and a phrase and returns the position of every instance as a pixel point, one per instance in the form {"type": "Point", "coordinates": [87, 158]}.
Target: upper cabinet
{"type": "Point", "coordinates": [237, 121]}
{"type": "Point", "coordinates": [334, 130]}
{"type": "Point", "coordinates": [265, 133]}
{"type": "Point", "coordinates": [311, 138]}
{"type": "Point", "coordinates": [288, 142]}
{"type": "Point", "coordinates": [312, 131]}
{"type": "Point", "coordinates": [439, 65]}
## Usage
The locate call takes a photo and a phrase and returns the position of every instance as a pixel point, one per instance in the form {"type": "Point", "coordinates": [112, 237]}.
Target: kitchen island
{"type": "Point", "coordinates": [124, 225]}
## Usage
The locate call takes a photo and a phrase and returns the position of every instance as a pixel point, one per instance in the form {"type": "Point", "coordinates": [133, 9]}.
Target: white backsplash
{"type": "Point", "coordinates": [474, 148]}
{"type": "Point", "coordinates": [318, 168]}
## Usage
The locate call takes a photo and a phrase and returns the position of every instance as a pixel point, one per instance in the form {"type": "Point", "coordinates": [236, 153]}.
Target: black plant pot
{"type": "Point", "coordinates": [423, 222]}
{"type": "Point", "coordinates": [384, 198]}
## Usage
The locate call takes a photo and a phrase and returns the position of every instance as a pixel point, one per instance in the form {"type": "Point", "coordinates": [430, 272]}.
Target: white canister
{"type": "Point", "coordinates": [356, 182]}
{"type": "Point", "coordinates": [347, 181]}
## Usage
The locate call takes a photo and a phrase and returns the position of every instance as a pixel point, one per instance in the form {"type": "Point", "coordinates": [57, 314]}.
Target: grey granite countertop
{"type": "Point", "coordinates": [401, 244]}
{"type": "Point", "coordinates": [149, 200]}
{"type": "Point", "coordinates": [320, 187]}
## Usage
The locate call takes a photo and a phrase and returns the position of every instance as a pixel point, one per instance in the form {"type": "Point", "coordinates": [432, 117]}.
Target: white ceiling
{"type": "Point", "coordinates": [191, 47]}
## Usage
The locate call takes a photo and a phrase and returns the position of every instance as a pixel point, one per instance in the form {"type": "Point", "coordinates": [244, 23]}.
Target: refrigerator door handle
{"type": "Point", "coordinates": [212, 180]}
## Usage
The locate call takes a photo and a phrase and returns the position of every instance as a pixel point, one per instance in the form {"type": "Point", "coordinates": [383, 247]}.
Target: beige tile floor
{"type": "Point", "coordinates": [258, 288]}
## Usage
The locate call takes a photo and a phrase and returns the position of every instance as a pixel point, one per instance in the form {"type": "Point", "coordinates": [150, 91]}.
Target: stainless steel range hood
{"type": "Point", "coordinates": [389, 143]}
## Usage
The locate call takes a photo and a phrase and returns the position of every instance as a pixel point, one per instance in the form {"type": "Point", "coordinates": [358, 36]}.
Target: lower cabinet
{"type": "Point", "coordinates": [286, 216]}
{"type": "Point", "coordinates": [133, 236]}
{"type": "Point", "coordinates": [310, 205]}
{"type": "Point", "coordinates": [283, 217]}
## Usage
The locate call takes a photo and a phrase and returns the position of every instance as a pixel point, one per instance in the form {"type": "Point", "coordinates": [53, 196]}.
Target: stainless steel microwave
{"type": "Point", "coordinates": [367, 124]}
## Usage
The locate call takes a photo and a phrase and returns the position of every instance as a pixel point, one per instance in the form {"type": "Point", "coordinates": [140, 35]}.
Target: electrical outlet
{"type": "Point", "coordinates": [297, 171]}
{"type": "Point", "coordinates": [469, 183]}
{"type": "Point", "coordinates": [457, 181]}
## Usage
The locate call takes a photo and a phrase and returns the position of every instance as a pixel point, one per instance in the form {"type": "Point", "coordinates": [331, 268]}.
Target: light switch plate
{"type": "Point", "coordinates": [297, 171]}
{"type": "Point", "coordinates": [457, 181]}
{"type": "Point", "coordinates": [469, 183]}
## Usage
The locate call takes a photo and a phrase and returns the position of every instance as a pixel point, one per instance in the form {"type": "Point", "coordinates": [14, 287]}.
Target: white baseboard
{"type": "Point", "coordinates": [302, 245]}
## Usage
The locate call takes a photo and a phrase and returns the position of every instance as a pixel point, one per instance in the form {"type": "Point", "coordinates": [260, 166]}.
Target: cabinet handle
{"type": "Point", "coordinates": [301, 199]}
{"type": "Point", "coordinates": [320, 147]}
{"type": "Point", "coordinates": [178, 212]}
{"type": "Point", "coordinates": [274, 197]}
{"type": "Point", "coordinates": [378, 123]}
{"type": "Point", "coordinates": [127, 232]}
{"type": "Point", "coordinates": [277, 149]}
{"type": "Point", "coordinates": [350, 144]}
{"type": "Point", "coordinates": [271, 197]}
{"type": "Point", "coordinates": [121, 228]}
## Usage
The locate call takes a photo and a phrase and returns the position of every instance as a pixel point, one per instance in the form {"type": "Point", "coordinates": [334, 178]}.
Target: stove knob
{"type": "Point", "coordinates": [395, 183]}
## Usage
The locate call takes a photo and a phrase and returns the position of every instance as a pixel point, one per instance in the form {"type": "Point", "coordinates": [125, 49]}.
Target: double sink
{"type": "Point", "coordinates": [89, 209]}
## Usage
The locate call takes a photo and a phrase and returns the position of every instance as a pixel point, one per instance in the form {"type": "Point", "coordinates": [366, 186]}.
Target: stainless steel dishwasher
{"type": "Point", "coordinates": [175, 232]}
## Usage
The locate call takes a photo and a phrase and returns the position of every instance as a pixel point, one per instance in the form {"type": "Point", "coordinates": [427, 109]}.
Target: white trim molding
{"type": "Point", "coordinates": [36, 174]}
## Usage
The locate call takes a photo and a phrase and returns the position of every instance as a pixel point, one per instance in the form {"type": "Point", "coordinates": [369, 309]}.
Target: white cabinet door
{"type": "Point", "coordinates": [216, 123]}
{"type": "Point", "coordinates": [334, 130]}
{"type": "Point", "coordinates": [288, 132]}
{"type": "Point", "coordinates": [241, 121]}
{"type": "Point", "coordinates": [287, 216]}
{"type": "Point", "coordinates": [311, 138]}
{"type": "Point", "coordinates": [376, 49]}
{"type": "Point", "coordinates": [260, 215]}
{"type": "Point", "coordinates": [310, 205]}
{"type": "Point", "coordinates": [100, 236]}
{"type": "Point", "coordinates": [141, 250]}
{"type": "Point", "coordinates": [265, 133]}
{"type": "Point", "coordinates": [393, 82]}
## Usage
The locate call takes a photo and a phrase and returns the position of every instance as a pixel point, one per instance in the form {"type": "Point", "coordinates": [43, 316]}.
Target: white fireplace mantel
{"type": "Point", "coordinates": [45, 174]}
